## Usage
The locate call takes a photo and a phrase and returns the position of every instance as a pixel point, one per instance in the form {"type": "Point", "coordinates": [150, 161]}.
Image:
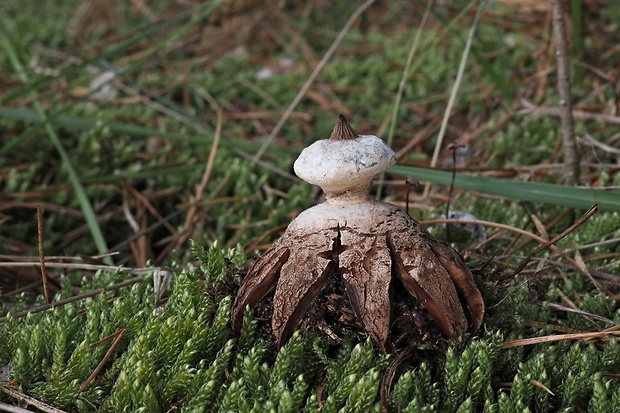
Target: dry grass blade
{"type": "Point", "coordinates": [455, 88]}
{"type": "Point", "coordinates": [578, 311]}
{"type": "Point", "coordinates": [555, 338]}
{"type": "Point", "coordinates": [401, 87]}
{"type": "Point", "coordinates": [165, 110]}
{"type": "Point", "coordinates": [42, 254]}
{"type": "Point", "coordinates": [312, 78]}
{"type": "Point", "coordinates": [555, 239]}
{"type": "Point", "coordinates": [542, 386]}
{"type": "Point", "coordinates": [77, 266]}
{"type": "Point", "coordinates": [457, 83]}
{"type": "Point", "coordinates": [190, 220]}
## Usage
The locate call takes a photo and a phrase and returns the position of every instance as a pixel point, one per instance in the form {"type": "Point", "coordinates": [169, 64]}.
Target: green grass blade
{"type": "Point", "coordinates": [81, 123]}
{"type": "Point", "coordinates": [120, 47]}
{"type": "Point", "coordinates": [194, 16]}
{"type": "Point", "coordinates": [76, 123]}
{"type": "Point", "coordinates": [87, 209]}
{"type": "Point", "coordinates": [573, 197]}
{"type": "Point", "coordinates": [576, 13]}
{"type": "Point", "coordinates": [34, 87]}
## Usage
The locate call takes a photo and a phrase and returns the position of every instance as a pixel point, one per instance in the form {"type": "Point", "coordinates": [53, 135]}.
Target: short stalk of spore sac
{"type": "Point", "coordinates": [373, 247]}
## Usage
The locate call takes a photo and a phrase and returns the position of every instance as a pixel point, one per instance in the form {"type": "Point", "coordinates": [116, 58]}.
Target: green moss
{"type": "Point", "coordinates": [527, 141]}
{"type": "Point", "coordinates": [185, 354]}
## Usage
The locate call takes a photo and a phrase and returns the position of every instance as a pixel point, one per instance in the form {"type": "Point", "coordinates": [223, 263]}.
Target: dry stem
{"type": "Point", "coordinates": [571, 154]}
{"type": "Point", "coordinates": [42, 254]}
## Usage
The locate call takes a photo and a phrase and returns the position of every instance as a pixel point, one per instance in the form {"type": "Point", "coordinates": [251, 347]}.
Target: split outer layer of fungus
{"type": "Point", "coordinates": [368, 243]}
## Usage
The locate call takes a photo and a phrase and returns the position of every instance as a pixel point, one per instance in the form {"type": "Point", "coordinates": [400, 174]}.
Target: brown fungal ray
{"type": "Point", "coordinates": [261, 278]}
{"type": "Point", "coordinates": [302, 277]}
{"type": "Point", "coordinates": [463, 280]}
{"type": "Point", "coordinates": [424, 276]}
{"type": "Point", "coordinates": [367, 272]}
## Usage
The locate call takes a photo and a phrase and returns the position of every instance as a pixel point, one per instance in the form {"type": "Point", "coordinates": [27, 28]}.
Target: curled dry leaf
{"type": "Point", "coordinates": [374, 246]}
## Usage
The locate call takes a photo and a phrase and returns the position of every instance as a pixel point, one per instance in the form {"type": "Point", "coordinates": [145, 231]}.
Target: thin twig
{"type": "Point", "coordinates": [548, 244]}
{"type": "Point", "coordinates": [531, 109]}
{"type": "Point", "coordinates": [591, 141]}
{"type": "Point", "coordinates": [572, 267]}
{"type": "Point", "coordinates": [104, 360]}
{"type": "Point", "coordinates": [311, 79]}
{"type": "Point", "coordinates": [148, 205]}
{"type": "Point", "coordinates": [553, 327]}
{"type": "Point", "coordinates": [571, 154]}
{"type": "Point", "coordinates": [555, 239]}
{"type": "Point", "coordinates": [42, 254]}
{"type": "Point", "coordinates": [105, 339]}
{"type": "Point", "coordinates": [493, 225]}
{"type": "Point", "coordinates": [30, 401]}
{"type": "Point", "coordinates": [512, 229]}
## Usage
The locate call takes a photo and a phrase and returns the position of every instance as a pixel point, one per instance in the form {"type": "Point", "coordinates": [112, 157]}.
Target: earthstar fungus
{"type": "Point", "coordinates": [370, 244]}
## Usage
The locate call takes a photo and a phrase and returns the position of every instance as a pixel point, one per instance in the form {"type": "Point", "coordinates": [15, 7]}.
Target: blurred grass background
{"type": "Point", "coordinates": [135, 126]}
